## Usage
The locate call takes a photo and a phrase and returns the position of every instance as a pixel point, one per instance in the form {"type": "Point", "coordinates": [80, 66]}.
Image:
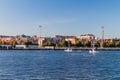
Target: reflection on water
{"type": "Point", "coordinates": [59, 65]}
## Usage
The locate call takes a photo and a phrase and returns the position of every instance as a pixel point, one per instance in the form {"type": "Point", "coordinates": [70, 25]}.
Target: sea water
{"type": "Point", "coordinates": [59, 65]}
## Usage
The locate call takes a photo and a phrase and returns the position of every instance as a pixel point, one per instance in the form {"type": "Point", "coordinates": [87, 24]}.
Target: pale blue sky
{"type": "Point", "coordinates": [60, 17]}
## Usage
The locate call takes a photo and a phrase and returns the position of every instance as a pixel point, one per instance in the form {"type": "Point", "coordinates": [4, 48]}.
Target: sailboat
{"type": "Point", "coordinates": [93, 51]}
{"type": "Point", "coordinates": [68, 49]}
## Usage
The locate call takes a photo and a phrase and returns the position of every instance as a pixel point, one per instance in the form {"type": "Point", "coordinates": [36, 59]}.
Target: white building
{"type": "Point", "coordinates": [40, 42]}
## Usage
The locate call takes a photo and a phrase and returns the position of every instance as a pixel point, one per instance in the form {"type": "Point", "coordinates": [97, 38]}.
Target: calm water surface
{"type": "Point", "coordinates": [59, 65]}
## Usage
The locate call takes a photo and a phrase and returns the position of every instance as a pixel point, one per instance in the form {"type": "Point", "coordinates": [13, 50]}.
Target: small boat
{"type": "Point", "coordinates": [68, 50]}
{"type": "Point", "coordinates": [93, 51]}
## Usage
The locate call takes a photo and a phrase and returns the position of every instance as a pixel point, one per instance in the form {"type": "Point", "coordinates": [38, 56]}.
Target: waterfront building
{"type": "Point", "coordinates": [40, 41]}
{"type": "Point", "coordinates": [24, 37]}
{"type": "Point", "coordinates": [72, 39]}
{"type": "Point", "coordinates": [59, 37]}
{"type": "Point", "coordinates": [111, 41]}
{"type": "Point", "coordinates": [87, 37]}
{"type": "Point", "coordinates": [35, 39]}
{"type": "Point", "coordinates": [32, 46]}
{"type": "Point", "coordinates": [20, 46]}
{"type": "Point", "coordinates": [7, 39]}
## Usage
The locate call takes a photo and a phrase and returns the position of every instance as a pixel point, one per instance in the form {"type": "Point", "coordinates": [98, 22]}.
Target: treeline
{"type": "Point", "coordinates": [14, 42]}
{"type": "Point", "coordinates": [64, 43]}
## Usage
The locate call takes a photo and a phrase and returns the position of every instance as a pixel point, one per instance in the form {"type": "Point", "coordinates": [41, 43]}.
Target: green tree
{"type": "Point", "coordinates": [13, 43]}
{"type": "Point", "coordinates": [97, 43]}
{"type": "Point", "coordinates": [2, 42]}
{"type": "Point", "coordinates": [51, 44]}
{"type": "Point", "coordinates": [48, 44]}
{"type": "Point", "coordinates": [44, 44]}
{"type": "Point", "coordinates": [27, 42]}
{"type": "Point", "coordinates": [105, 44]}
{"type": "Point", "coordinates": [87, 44]}
{"type": "Point", "coordinates": [79, 44]}
{"type": "Point", "coordinates": [64, 43]}
{"type": "Point", "coordinates": [117, 44]}
{"type": "Point", "coordinates": [111, 44]}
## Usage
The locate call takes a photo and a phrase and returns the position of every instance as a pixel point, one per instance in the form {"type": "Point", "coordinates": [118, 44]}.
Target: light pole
{"type": "Point", "coordinates": [40, 38]}
{"type": "Point", "coordinates": [102, 33]}
{"type": "Point", "coordinates": [102, 41]}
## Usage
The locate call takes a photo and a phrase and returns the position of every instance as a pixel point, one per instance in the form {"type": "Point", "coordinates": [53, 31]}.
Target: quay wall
{"type": "Point", "coordinates": [60, 48]}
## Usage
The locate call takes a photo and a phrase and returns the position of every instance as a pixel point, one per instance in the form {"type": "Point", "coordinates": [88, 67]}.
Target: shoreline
{"type": "Point", "coordinates": [62, 48]}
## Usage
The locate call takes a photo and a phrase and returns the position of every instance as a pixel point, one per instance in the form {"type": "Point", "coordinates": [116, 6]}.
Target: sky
{"type": "Point", "coordinates": [60, 17]}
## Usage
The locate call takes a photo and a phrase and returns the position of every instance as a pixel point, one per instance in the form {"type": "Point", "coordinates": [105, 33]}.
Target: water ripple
{"type": "Point", "coordinates": [58, 65]}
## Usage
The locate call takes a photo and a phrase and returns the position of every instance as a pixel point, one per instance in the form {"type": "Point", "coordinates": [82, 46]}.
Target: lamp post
{"type": "Point", "coordinates": [102, 33]}
{"type": "Point", "coordinates": [102, 41]}
{"type": "Point", "coordinates": [40, 38]}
